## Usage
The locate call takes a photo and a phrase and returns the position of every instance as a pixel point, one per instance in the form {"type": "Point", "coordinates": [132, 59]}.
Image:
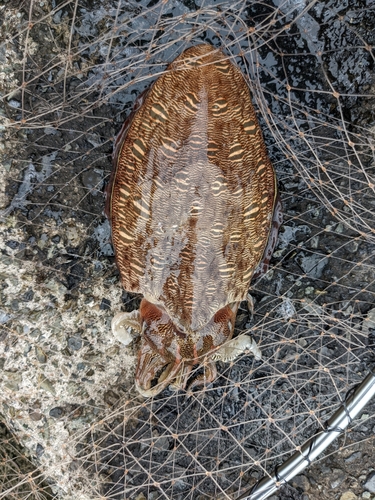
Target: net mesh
{"type": "Point", "coordinates": [70, 71]}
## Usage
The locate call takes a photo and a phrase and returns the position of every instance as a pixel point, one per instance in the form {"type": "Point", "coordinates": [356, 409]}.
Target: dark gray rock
{"type": "Point", "coordinates": [75, 343]}
{"type": "Point", "coordinates": [369, 484]}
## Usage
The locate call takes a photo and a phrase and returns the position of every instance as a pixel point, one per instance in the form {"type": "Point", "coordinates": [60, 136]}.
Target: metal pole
{"type": "Point", "coordinates": [355, 400]}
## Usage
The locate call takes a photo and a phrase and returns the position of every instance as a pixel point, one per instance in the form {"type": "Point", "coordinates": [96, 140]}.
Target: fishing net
{"type": "Point", "coordinates": [69, 74]}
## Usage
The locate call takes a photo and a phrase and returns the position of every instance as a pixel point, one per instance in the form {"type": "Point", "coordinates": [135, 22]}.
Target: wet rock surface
{"type": "Point", "coordinates": [66, 384]}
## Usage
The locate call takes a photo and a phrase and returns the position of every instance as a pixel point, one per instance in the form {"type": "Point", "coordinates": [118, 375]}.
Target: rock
{"type": "Point", "coordinates": [354, 456]}
{"type": "Point", "coordinates": [302, 482]}
{"type": "Point", "coordinates": [27, 296]}
{"type": "Point", "coordinates": [57, 17]}
{"type": "Point", "coordinates": [339, 476]}
{"type": "Point", "coordinates": [313, 265]}
{"type": "Point", "coordinates": [326, 470]}
{"type": "Point", "coordinates": [14, 305]}
{"type": "Point", "coordinates": [369, 484]}
{"type": "Point", "coordinates": [348, 495]}
{"type": "Point", "coordinates": [12, 244]}
{"type": "Point", "coordinates": [162, 443]}
{"type": "Point", "coordinates": [368, 324]}
{"type": "Point", "coordinates": [39, 450]}
{"type": "Point", "coordinates": [14, 103]}
{"type": "Point", "coordinates": [35, 416]}
{"type": "Point", "coordinates": [92, 179]}
{"type": "Point", "coordinates": [46, 385]}
{"type": "Point", "coordinates": [312, 308]}
{"type": "Point", "coordinates": [57, 412]}
{"type": "Point", "coordinates": [13, 380]}
{"type": "Point", "coordinates": [50, 131]}
{"type": "Point", "coordinates": [40, 354]}
{"type": "Point", "coordinates": [111, 397]}
{"type": "Point", "coordinates": [75, 343]}
{"type": "Point", "coordinates": [105, 305]}
{"type": "Point", "coordinates": [335, 483]}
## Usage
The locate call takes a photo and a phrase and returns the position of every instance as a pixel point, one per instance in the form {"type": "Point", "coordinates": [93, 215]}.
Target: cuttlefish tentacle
{"type": "Point", "coordinates": [235, 347]}
{"type": "Point", "coordinates": [181, 380]}
{"type": "Point", "coordinates": [126, 326]}
{"type": "Point", "coordinates": [209, 374]}
{"type": "Point", "coordinates": [150, 364]}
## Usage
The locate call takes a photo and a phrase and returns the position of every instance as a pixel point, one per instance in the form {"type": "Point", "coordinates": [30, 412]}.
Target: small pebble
{"type": "Point", "coordinates": [46, 385]}
{"type": "Point", "coordinates": [352, 246]}
{"type": "Point", "coordinates": [325, 470]}
{"type": "Point", "coordinates": [40, 354]}
{"type": "Point", "coordinates": [91, 179]}
{"type": "Point", "coordinates": [337, 481]}
{"type": "Point", "coordinates": [301, 482]}
{"type": "Point", "coordinates": [74, 343]}
{"type": "Point", "coordinates": [27, 348]}
{"type": "Point", "coordinates": [57, 412]}
{"type": "Point", "coordinates": [111, 398]}
{"type": "Point", "coordinates": [105, 305]}
{"type": "Point", "coordinates": [15, 305]}
{"type": "Point", "coordinates": [14, 104]}
{"type": "Point", "coordinates": [348, 495]}
{"type": "Point", "coordinates": [57, 17]}
{"type": "Point", "coordinates": [50, 131]}
{"type": "Point", "coordinates": [13, 380]}
{"type": "Point", "coordinates": [354, 456]}
{"type": "Point", "coordinates": [27, 296]}
{"type": "Point", "coordinates": [12, 244]}
{"type": "Point", "coordinates": [370, 483]}
{"type": "Point", "coordinates": [35, 416]}
{"type": "Point", "coordinates": [39, 450]}
{"type": "Point", "coordinates": [162, 443]}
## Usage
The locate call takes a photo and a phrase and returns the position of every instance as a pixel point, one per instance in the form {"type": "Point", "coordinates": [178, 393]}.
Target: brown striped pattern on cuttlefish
{"type": "Point", "coordinates": [191, 204]}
